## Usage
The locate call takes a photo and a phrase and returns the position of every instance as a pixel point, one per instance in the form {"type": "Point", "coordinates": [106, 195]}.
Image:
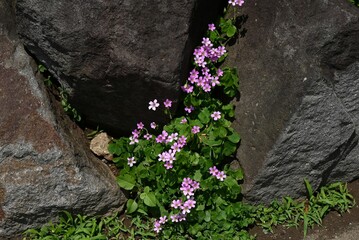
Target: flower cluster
{"type": "Point", "coordinates": [158, 224]}
{"type": "Point", "coordinates": [220, 175]}
{"type": "Point", "coordinates": [236, 2]}
{"type": "Point", "coordinates": [188, 187]}
{"type": "Point", "coordinates": [205, 76]}
{"type": "Point", "coordinates": [168, 157]}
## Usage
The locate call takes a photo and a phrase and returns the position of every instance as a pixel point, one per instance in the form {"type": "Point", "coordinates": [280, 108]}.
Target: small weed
{"type": "Point", "coordinates": [310, 212]}
{"type": "Point", "coordinates": [72, 112]}
{"type": "Point", "coordinates": [92, 134]}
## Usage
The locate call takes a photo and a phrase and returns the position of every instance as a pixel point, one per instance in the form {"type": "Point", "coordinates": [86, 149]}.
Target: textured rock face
{"type": "Point", "coordinates": [116, 56]}
{"type": "Point", "coordinates": [45, 165]}
{"type": "Point", "coordinates": [298, 113]}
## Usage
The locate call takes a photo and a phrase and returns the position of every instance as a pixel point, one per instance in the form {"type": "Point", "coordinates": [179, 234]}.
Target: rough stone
{"type": "Point", "coordinates": [99, 146]}
{"type": "Point", "coordinates": [45, 164]}
{"type": "Point", "coordinates": [298, 110]}
{"type": "Point", "coordinates": [116, 56]}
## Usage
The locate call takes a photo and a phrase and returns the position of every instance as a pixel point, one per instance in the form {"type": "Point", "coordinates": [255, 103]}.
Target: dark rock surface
{"type": "Point", "coordinates": [299, 81]}
{"type": "Point", "coordinates": [116, 56]}
{"type": "Point", "coordinates": [45, 164]}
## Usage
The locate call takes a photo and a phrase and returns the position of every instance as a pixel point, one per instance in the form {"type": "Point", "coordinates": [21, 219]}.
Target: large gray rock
{"type": "Point", "coordinates": [298, 111]}
{"type": "Point", "coordinates": [45, 164]}
{"type": "Point", "coordinates": [116, 56]}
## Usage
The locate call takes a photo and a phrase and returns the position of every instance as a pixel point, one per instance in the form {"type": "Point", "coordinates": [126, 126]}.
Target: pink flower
{"type": "Point", "coordinates": [221, 176]}
{"type": "Point", "coordinates": [163, 220]}
{"type": "Point", "coordinates": [176, 147]}
{"type": "Point", "coordinates": [187, 88]}
{"type": "Point", "coordinates": [136, 133]}
{"type": "Point", "coordinates": [195, 129]}
{"type": "Point", "coordinates": [190, 203]}
{"type": "Point", "coordinates": [187, 181]}
{"type": "Point", "coordinates": [187, 190]}
{"type": "Point", "coordinates": [206, 87]}
{"type": "Point", "coordinates": [182, 141]}
{"type": "Point", "coordinates": [172, 137]}
{"type": "Point", "coordinates": [219, 72]}
{"type": "Point", "coordinates": [131, 161]}
{"type": "Point", "coordinates": [206, 42]}
{"type": "Point", "coordinates": [185, 209]}
{"type": "Point", "coordinates": [183, 121]}
{"type": "Point", "coordinates": [178, 217]}
{"type": "Point", "coordinates": [167, 103]}
{"type": "Point", "coordinates": [195, 185]}
{"type": "Point", "coordinates": [148, 136]}
{"type": "Point", "coordinates": [236, 2]}
{"type": "Point", "coordinates": [153, 105]}
{"type": "Point", "coordinates": [168, 165]}
{"type": "Point", "coordinates": [213, 171]}
{"type": "Point", "coordinates": [140, 125]}
{"type": "Point", "coordinates": [133, 140]}
{"type": "Point", "coordinates": [189, 109]}
{"type": "Point", "coordinates": [157, 226]}
{"type": "Point", "coordinates": [153, 125]}
{"type": "Point", "coordinates": [174, 218]}
{"type": "Point", "coordinates": [176, 203]}
{"type": "Point", "coordinates": [216, 115]}
{"type": "Point", "coordinates": [211, 27]}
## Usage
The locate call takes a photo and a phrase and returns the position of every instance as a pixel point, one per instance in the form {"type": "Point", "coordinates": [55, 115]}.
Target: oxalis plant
{"type": "Point", "coordinates": [178, 178]}
{"type": "Point", "coordinates": [181, 176]}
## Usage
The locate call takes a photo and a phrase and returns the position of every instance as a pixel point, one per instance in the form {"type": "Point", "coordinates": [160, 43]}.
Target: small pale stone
{"type": "Point", "coordinates": [99, 146]}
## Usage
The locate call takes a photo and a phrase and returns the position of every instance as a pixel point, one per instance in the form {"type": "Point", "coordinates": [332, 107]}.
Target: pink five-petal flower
{"type": "Point", "coordinates": [216, 115]}
{"type": "Point", "coordinates": [211, 27]}
{"type": "Point", "coordinates": [163, 220]}
{"type": "Point", "coordinates": [195, 185]}
{"type": "Point", "coordinates": [168, 165]}
{"type": "Point", "coordinates": [153, 125]}
{"type": "Point", "coordinates": [213, 171]}
{"type": "Point", "coordinates": [131, 161]}
{"type": "Point", "coordinates": [221, 176]}
{"type": "Point", "coordinates": [183, 121]}
{"type": "Point", "coordinates": [174, 218]}
{"type": "Point", "coordinates": [195, 129]}
{"type": "Point", "coordinates": [189, 109]}
{"type": "Point", "coordinates": [167, 103]}
{"type": "Point", "coordinates": [140, 125]}
{"type": "Point", "coordinates": [185, 209]}
{"type": "Point", "coordinates": [176, 203]}
{"type": "Point", "coordinates": [148, 136]}
{"type": "Point", "coordinates": [190, 203]}
{"type": "Point", "coordinates": [219, 72]}
{"type": "Point", "coordinates": [153, 105]}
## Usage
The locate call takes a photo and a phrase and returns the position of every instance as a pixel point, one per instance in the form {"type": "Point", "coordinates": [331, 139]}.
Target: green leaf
{"type": "Point", "coordinates": [207, 218]}
{"type": "Point", "coordinates": [204, 116]}
{"type": "Point", "coordinates": [212, 143]}
{"type": "Point", "coordinates": [149, 199]}
{"type": "Point", "coordinates": [126, 181]}
{"type": "Point", "coordinates": [234, 137]}
{"type": "Point", "coordinates": [231, 31]}
{"type": "Point", "coordinates": [229, 148]}
{"type": "Point", "coordinates": [197, 176]}
{"type": "Point", "coordinates": [131, 206]}
{"type": "Point", "coordinates": [309, 188]}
